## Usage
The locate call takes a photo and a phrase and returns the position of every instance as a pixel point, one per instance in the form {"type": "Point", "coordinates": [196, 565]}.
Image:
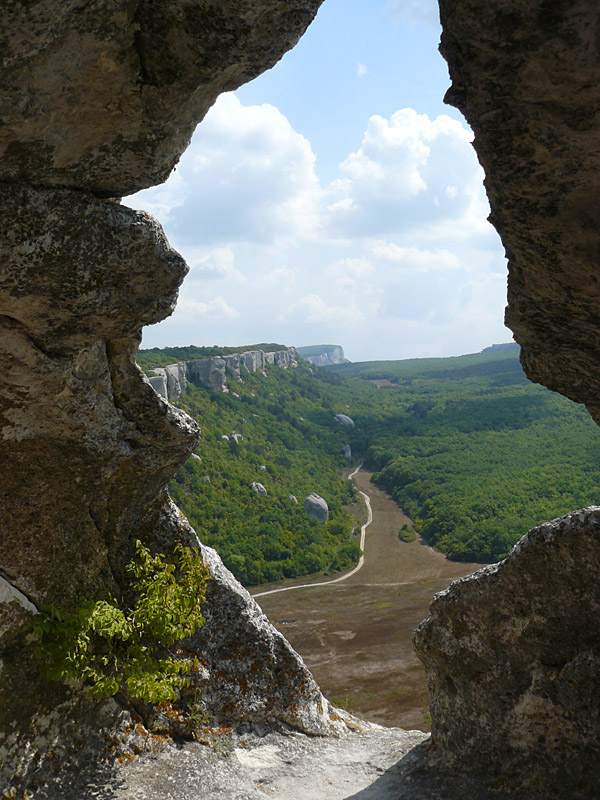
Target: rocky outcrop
{"type": "Point", "coordinates": [316, 507]}
{"type": "Point", "coordinates": [347, 452]}
{"type": "Point", "coordinates": [259, 489]}
{"type": "Point", "coordinates": [526, 75]}
{"type": "Point", "coordinates": [513, 660]}
{"type": "Point", "coordinates": [170, 381]}
{"type": "Point", "coordinates": [99, 100]}
{"type": "Point", "coordinates": [345, 420]}
{"type": "Point", "coordinates": [210, 373]}
{"type": "Point", "coordinates": [213, 372]}
{"type": "Point", "coordinates": [323, 355]}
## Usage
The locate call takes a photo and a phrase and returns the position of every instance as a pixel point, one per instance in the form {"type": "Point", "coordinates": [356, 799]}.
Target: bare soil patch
{"type": "Point", "coordinates": [355, 636]}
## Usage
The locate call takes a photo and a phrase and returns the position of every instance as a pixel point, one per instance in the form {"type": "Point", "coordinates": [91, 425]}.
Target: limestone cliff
{"type": "Point", "coordinates": [322, 355]}
{"type": "Point", "coordinates": [99, 99]}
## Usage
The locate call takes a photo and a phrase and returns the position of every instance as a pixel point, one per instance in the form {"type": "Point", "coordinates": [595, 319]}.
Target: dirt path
{"type": "Point", "coordinates": [355, 635]}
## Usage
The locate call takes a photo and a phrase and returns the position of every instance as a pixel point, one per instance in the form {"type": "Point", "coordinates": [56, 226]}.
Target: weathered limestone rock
{"type": "Point", "coordinates": [293, 498]}
{"type": "Point", "coordinates": [114, 89]}
{"type": "Point", "coordinates": [344, 419]}
{"type": "Point", "coordinates": [347, 452]}
{"type": "Point", "coordinates": [170, 381]}
{"type": "Point", "coordinates": [253, 360]}
{"type": "Point", "coordinates": [332, 354]}
{"type": "Point", "coordinates": [210, 373]}
{"type": "Point", "coordinates": [526, 75]}
{"type": "Point", "coordinates": [232, 366]}
{"type": "Point", "coordinates": [99, 99]}
{"type": "Point", "coordinates": [513, 660]}
{"type": "Point", "coordinates": [316, 507]}
{"type": "Point", "coordinates": [259, 489]}
{"type": "Point", "coordinates": [158, 382]}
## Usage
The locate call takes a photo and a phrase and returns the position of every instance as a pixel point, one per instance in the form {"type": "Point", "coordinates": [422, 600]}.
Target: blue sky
{"type": "Point", "coordinates": [337, 199]}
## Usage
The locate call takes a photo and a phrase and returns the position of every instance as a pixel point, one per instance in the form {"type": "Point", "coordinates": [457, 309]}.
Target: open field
{"type": "Point", "coordinates": [355, 636]}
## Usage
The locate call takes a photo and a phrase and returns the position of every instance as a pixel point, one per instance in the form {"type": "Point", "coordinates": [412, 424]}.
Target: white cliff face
{"type": "Point", "coordinates": [170, 381]}
{"type": "Point", "coordinates": [209, 372]}
{"type": "Point", "coordinates": [330, 355]}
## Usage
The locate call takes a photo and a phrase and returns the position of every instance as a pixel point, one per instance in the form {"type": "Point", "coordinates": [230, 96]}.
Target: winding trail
{"type": "Point", "coordinates": [361, 560]}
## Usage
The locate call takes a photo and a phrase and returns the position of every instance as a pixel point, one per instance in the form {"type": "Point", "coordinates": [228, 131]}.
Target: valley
{"type": "Point", "coordinates": [355, 635]}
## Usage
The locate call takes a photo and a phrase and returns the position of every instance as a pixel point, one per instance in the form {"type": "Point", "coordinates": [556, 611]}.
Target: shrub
{"type": "Point", "coordinates": [112, 648]}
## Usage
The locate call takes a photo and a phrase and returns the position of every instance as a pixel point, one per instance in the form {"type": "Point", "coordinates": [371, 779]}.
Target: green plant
{"type": "Point", "coordinates": [112, 648]}
{"type": "Point", "coordinates": [407, 534]}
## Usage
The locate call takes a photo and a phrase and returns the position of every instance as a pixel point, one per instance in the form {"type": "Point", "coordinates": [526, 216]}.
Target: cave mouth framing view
{"type": "Point", "coordinates": [122, 634]}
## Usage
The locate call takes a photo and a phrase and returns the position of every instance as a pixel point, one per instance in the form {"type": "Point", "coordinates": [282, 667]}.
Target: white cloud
{"type": "Point", "coordinates": [361, 70]}
{"type": "Point", "coordinates": [350, 267]}
{"type": "Point", "coordinates": [410, 172]}
{"type": "Point", "coordinates": [414, 260]}
{"type": "Point", "coordinates": [396, 250]}
{"type": "Point", "coordinates": [247, 176]}
{"type": "Point", "coordinates": [314, 310]}
{"type": "Point", "coordinates": [216, 264]}
{"type": "Point", "coordinates": [217, 309]}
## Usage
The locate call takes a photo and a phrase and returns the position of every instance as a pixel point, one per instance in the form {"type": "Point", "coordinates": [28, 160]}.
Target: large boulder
{"type": "Point", "coordinates": [345, 420]}
{"type": "Point", "coordinates": [512, 655]}
{"type": "Point", "coordinates": [316, 507]}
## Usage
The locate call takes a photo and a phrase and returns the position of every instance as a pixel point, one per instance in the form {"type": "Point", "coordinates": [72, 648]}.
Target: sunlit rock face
{"type": "Point", "coordinates": [98, 100]}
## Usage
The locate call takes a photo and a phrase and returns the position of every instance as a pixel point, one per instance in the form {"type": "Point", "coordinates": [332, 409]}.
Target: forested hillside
{"type": "Point", "coordinates": [474, 452]}
{"type": "Point", "coordinates": [293, 446]}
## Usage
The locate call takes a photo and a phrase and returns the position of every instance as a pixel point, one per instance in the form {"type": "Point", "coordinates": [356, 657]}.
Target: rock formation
{"type": "Point", "coordinates": [170, 381]}
{"type": "Point", "coordinates": [527, 76]}
{"type": "Point", "coordinates": [347, 452]}
{"type": "Point", "coordinates": [316, 507]}
{"type": "Point", "coordinates": [512, 659]}
{"type": "Point", "coordinates": [344, 419]}
{"type": "Point", "coordinates": [325, 354]}
{"type": "Point", "coordinates": [259, 489]}
{"type": "Point", "coordinates": [212, 372]}
{"type": "Point", "coordinates": [99, 99]}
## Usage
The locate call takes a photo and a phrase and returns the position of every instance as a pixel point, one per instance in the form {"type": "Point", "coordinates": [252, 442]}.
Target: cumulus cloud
{"type": "Point", "coordinates": [410, 172]}
{"type": "Point", "coordinates": [396, 246]}
{"type": "Point", "coordinates": [412, 259]}
{"type": "Point", "coordinates": [247, 176]}
{"type": "Point", "coordinates": [216, 264]}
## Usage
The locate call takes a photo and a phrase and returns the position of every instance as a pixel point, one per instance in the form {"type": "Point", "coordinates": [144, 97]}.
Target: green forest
{"type": "Point", "coordinates": [293, 446]}
{"type": "Point", "coordinates": [472, 451]}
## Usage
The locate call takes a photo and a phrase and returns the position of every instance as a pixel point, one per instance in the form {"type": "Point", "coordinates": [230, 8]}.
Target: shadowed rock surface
{"type": "Point", "coordinates": [99, 99]}
{"type": "Point", "coordinates": [512, 654]}
{"type": "Point", "coordinates": [526, 75]}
